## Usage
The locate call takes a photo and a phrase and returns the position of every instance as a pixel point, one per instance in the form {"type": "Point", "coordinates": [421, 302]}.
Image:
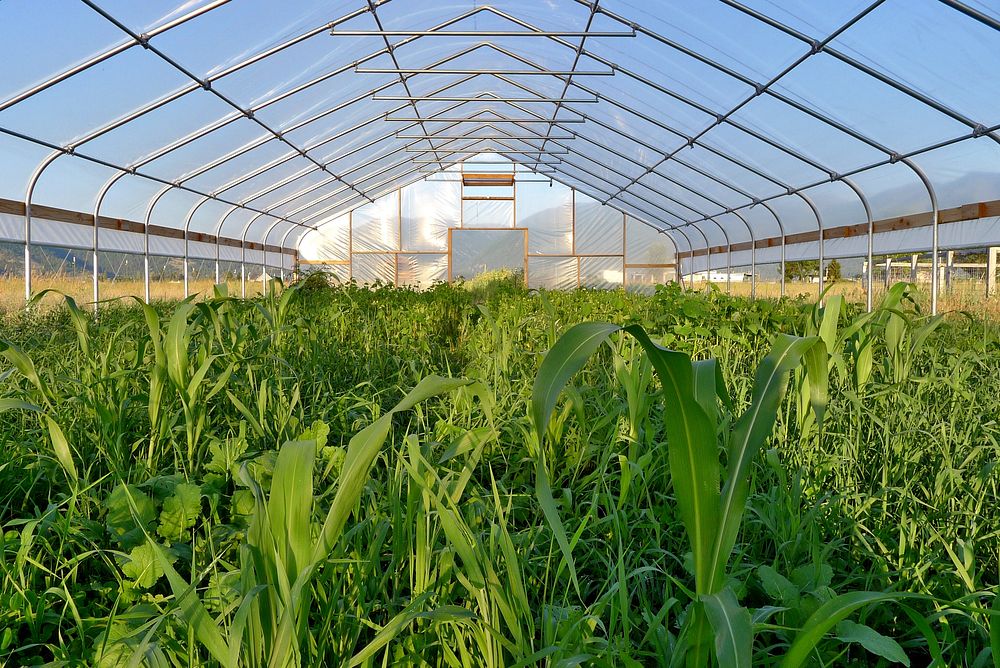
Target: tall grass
{"type": "Point", "coordinates": [468, 476]}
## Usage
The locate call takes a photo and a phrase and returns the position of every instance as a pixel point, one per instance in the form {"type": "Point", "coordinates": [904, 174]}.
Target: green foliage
{"type": "Point", "coordinates": [833, 271]}
{"type": "Point", "coordinates": [801, 270]}
{"type": "Point", "coordinates": [293, 480]}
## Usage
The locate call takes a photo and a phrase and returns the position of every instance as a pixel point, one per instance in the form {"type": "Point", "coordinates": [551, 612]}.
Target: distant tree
{"type": "Point", "coordinates": [833, 272]}
{"type": "Point", "coordinates": [801, 270]}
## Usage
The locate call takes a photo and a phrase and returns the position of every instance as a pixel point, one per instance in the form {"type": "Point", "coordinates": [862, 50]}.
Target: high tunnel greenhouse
{"type": "Point", "coordinates": [500, 334]}
{"type": "Point", "coordinates": [596, 143]}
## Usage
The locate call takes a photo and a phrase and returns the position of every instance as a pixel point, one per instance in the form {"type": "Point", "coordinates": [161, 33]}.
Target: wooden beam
{"type": "Point", "coordinates": [41, 211]}
{"type": "Point", "coordinates": [914, 221]}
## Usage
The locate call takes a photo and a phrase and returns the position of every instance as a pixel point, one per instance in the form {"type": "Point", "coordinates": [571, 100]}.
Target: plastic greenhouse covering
{"type": "Point", "coordinates": [645, 141]}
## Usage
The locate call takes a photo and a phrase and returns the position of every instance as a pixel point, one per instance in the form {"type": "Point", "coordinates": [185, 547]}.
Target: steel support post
{"type": "Point", "coordinates": [97, 227]}
{"type": "Point", "coordinates": [935, 259]}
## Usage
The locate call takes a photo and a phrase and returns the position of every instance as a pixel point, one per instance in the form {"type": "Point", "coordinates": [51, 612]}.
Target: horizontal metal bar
{"type": "Point", "coordinates": [519, 100]}
{"type": "Point", "coordinates": [439, 119]}
{"type": "Point", "coordinates": [477, 151]}
{"type": "Point", "coordinates": [438, 171]}
{"type": "Point", "coordinates": [464, 72]}
{"type": "Point", "coordinates": [475, 33]}
{"type": "Point", "coordinates": [501, 136]}
{"type": "Point", "coordinates": [485, 162]}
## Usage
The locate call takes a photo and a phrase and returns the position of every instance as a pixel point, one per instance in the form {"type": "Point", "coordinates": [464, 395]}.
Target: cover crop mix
{"type": "Point", "coordinates": [482, 476]}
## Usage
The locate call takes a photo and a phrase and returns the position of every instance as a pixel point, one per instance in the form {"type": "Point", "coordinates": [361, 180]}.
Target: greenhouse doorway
{"type": "Point", "coordinates": [472, 252]}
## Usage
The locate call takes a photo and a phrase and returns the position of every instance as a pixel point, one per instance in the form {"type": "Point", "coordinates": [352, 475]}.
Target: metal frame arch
{"type": "Point", "coordinates": [753, 255]}
{"type": "Point", "coordinates": [281, 244]}
{"type": "Point", "coordinates": [977, 128]}
{"type": "Point", "coordinates": [822, 240]}
{"type": "Point", "coordinates": [691, 141]}
{"type": "Point", "coordinates": [217, 232]}
{"type": "Point", "coordinates": [153, 201]}
{"type": "Point", "coordinates": [243, 253]}
{"type": "Point", "coordinates": [935, 219]}
{"type": "Point", "coordinates": [98, 202]}
{"type": "Point", "coordinates": [870, 241]}
{"type": "Point", "coordinates": [704, 238]}
{"type": "Point", "coordinates": [187, 227]}
{"type": "Point", "coordinates": [29, 192]}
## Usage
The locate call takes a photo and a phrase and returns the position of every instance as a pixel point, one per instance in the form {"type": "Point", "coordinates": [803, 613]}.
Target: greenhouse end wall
{"type": "Point", "coordinates": [440, 229]}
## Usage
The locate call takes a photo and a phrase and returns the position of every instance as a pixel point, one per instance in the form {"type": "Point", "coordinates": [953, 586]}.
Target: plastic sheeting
{"type": "Point", "coordinates": [369, 269]}
{"type": "Point", "coordinates": [429, 209]}
{"type": "Point", "coordinates": [487, 213]}
{"type": "Point", "coordinates": [711, 105]}
{"type": "Point", "coordinates": [331, 241]}
{"type": "Point", "coordinates": [546, 211]}
{"type": "Point", "coordinates": [553, 273]}
{"type": "Point", "coordinates": [476, 251]}
{"type": "Point", "coordinates": [606, 273]}
{"type": "Point", "coordinates": [599, 229]}
{"type": "Point", "coordinates": [375, 227]}
{"type": "Point", "coordinates": [421, 270]}
{"type": "Point", "coordinates": [644, 245]}
{"type": "Point", "coordinates": [645, 279]}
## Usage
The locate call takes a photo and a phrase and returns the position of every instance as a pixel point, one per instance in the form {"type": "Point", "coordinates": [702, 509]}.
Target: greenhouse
{"type": "Point", "coordinates": [566, 332]}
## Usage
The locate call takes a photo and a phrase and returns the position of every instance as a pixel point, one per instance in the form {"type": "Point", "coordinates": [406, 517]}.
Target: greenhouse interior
{"type": "Point", "coordinates": [566, 332]}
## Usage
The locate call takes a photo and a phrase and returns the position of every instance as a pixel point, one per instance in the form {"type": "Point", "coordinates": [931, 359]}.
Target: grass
{"type": "Point", "coordinates": [469, 476]}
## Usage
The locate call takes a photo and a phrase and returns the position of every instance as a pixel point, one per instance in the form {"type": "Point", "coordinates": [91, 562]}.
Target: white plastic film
{"type": "Point", "coordinates": [645, 245]}
{"type": "Point", "coordinates": [62, 234]}
{"type": "Point", "coordinates": [547, 213]}
{"type": "Point", "coordinates": [487, 213]}
{"type": "Point", "coordinates": [340, 272]}
{"type": "Point", "coordinates": [201, 249]}
{"type": "Point", "coordinates": [118, 240]}
{"type": "Point", "coordinates": [553, 273]}
{"type": "Point", "coordinates": [254, 256]}
{"type": "Point", "coordinates": [169, 246]}
{"type": "Point", "coordinates": [476, 251]}
{"type": "Point", "coordinates": [375, 227]}
{"type": "Point", "coordinates": [11, 227]}
{"type": "Point", "coordinates": [421, 270]}
{"type": "Point", "coordinates": [330, 240]}
{"type": "Point", "coordinates": [645, 279]}
{"type": "Point", "coordinates": [429, 208]}
{"type": "Point", "coordinates": [601, 272]}
{"type": "Point", "coordinates": [371, 268]}
{"type": "Point", "coordinates": [599, 229]}
{"type": "Point", "coordinates": [230, 253]}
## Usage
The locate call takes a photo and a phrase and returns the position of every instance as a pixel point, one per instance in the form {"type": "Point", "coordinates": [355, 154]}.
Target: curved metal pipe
{"type": "Point", "coordinates": [680, 273]}
{"type": "Point", "coordinates": [267, 233]}
{"type": "Point", "coordinates": [729, 257]}
{"type": "Point", "coordinates": [871, 233]}
{"type": "Point", "coordinates": [145, 252]}
{"type": "Point", "coordinates": [32, 182]}
{"type": "Point", "coordinates": [935, 213]}
{"type": "Point", "coordinates": [753, 255]}
{"type": "Point", "coordinates": [781, 230]}
{"type": "Point", "coordinates": [708, 251]}
{"type": "Point", "coordinates": [218, 233]}
{"type": "Point", "coordinates": [187, 227]}
{"type": "Point", "coordinates": [97, 226]}
{"type": "Point", "coordinates": [243, 254]}
{"type": "Point", "coordinates": [822, 241]}
{"type": "Point", "coordinates": [281, 244]}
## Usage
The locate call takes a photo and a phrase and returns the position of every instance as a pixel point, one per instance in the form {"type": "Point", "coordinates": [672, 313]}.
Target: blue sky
{"type": "Point", "coordinates": [930, 47]}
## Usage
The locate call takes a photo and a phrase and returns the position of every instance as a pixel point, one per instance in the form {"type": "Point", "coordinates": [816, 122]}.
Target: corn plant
{"type": "Point", "coordinates": [282, 556]}
{"type": "Point", "coordinates": [693, 392]}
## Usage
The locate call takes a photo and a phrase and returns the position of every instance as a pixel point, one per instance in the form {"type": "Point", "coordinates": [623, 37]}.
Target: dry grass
{"type": "Point", "coordinates": [966, 296]}
{"type": "Point", "coordinates": [80, 288]}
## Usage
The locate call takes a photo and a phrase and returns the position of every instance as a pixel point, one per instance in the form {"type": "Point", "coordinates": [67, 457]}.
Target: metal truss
{"type": "Point", "coordinates": [580, 166]}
